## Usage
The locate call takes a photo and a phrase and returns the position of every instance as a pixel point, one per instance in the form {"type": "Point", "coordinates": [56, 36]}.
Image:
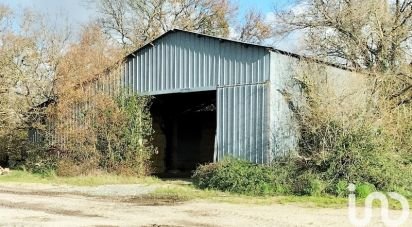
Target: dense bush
{"type": "Point", "coordinates": [242, 177]}
{"type": "Point", "coordinates": [40, 161]}
{"type": "Point", "coordinates": [308, 184]}
{"type": "Point", "coordinates": [13, 148]}
{"type": "Point", "coordinates": [290, 177]}
{"type": "Point", "coordinates": [353, 154]}
{"type": "Point", "coordinates": [364, 189]}
{"type": "Point", "coordinates": [112, 135]}
{"type": "Point", "coordinates": [237, 176]}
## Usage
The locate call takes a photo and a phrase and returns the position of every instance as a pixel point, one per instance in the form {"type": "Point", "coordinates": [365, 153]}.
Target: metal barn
{"type": "Point", "coordinates": [215, 97]}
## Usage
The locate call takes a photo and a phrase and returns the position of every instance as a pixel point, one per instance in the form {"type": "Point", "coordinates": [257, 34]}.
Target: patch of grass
{"type": "Point", "coordinates": [191, 193]}
{"type": "Point", "coordinates": [180, 192]}
{"type": "Point", "coordinates": [316, 201]}
{"type": "Point", "coordinates": [186, 192]}
{"type": "Point", "coordinates": [23, 177]}
{"type": "Point", "coordinates": [86, 180]}
{"type": "Point", "coordinates": [176, 191]}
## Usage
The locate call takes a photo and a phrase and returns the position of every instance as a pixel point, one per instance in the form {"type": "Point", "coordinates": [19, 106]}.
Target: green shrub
{"type": "Point", "coordinates": [204, 175]}
{"type": "Point", "coordinates": [364, 189]}
{"type": "Point", "coordinates": [13, 148]}
{"type": "Point", "coordinates": [339, 189]}
{"type": "Point", "coordinates": [238, 176]}
{"type": "Point", "coordinates": [40, 161]}
{"type": "Point", "coordinates": [308, 184]}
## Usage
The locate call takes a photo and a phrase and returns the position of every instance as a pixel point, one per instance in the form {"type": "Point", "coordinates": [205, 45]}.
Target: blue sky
{"type": "Point", "coordinates": [75, 12]}
{"type": "Point", "coordinates": [265, 6]}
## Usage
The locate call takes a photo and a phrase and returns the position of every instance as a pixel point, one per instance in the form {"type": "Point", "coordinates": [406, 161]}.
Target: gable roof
{"type": "Point", "coordinates": [282, 52]}
{"type": "Point", "coordinates": [193, 33]}
{"type": "Point", "coordinates": [151, 43]}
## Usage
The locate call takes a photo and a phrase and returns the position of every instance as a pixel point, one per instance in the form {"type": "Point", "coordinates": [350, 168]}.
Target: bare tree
{"type": "Point", "coordinates": [254, 28]}
{"type": "Point", "coordinates": [371, 34]}
{"type": "Point", "coordinates": [134, 22]}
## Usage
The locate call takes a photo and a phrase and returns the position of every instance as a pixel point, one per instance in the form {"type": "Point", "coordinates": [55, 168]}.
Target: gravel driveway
{"type": "Point", "coordinates": [47, 205]}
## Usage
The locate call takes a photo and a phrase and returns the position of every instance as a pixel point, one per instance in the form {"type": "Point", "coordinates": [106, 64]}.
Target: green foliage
{"type": "Point", "coordinates": [340, 189]}
{"type": "Point", "coordinates": [242, 177]}
{"type": "Point", "coordinates": [13, 148]}
{"type": "Point", "coordinates": [352, 153]}
{"type": "Point", "coordinates": [110, 134]}
{"type": "Point", "coordinates": [284, 178]}
{"type": "Point", "coordinates": [364, 189]}
{"type": "Point", "coordinates": [308, 184]}
{"type": "Point", "coordinates": [237, 176]}
{"type": "Point", "coordinates": [137, 133]}
{"type": "Point", "coordinates": [342, 141]}
{"type": "Point", "coordinates": [41, 162]}
{"type": "Point", "coordinates": [123, 133]}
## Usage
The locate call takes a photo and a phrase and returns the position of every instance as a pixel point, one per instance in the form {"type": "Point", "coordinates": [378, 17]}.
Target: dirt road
{"type": "Point", "coordinates": [46, 205]}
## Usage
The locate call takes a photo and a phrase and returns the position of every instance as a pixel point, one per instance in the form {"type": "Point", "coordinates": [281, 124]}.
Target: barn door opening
{"type": "Point", "coordinates": [185, 128]}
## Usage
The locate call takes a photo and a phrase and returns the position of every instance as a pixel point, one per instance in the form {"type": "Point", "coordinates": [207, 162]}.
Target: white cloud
{"type": "Point", "coordinates": [59, 12]}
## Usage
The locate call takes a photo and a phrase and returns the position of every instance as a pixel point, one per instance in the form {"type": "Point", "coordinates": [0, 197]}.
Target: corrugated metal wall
{"type": "Point", "coordinates": [242, 122]}
{"type": "Point", "coordinates": [182, 61]}
{"type": "Point", "coordinates": [284, 133]}
{"type": "Point", "coordinates": [187, 62]}
{"type": "Point", "coordinates": [348, 86]}
{"type": "Point", "coordinates": [35, 136]}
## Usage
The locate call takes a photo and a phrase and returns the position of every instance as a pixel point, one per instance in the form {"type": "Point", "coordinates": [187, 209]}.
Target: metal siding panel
{"type": "Point", "coordinates": [181, 63]}
{"type": "Point", "coordinates": [165, 67]}
{"type": "Point", "coordinates": [226, 126]}
{"type": "Point", "coordinates": [235, 122]}
{"type": "Point", "coordinates": [195, 75]}
{"type": "Point", "coordinates": [192, 66]}
{"type": "Point", "coordinates": [139, 72]}
{"type": "Point", "coordinates": [230, 118]}
{"type": "Point", "coordinates": [186, 76]}
{"type": "Point", "coordinates": [242, 121]}
{"type": "Point", "coordinates": [154, 63]}
{"type": "Point", "coordinates": [220, 124]}
{"type": "Point", "coordinates": [214, 70]}
{"type": "Point", "coordinates": [134, 73]}
{"type": "Point", "coordinates": [253, 120]}
{"type": "Point", "coordinates": [170, 73]}
{"type": "Point", "coordinates": [130, 76]}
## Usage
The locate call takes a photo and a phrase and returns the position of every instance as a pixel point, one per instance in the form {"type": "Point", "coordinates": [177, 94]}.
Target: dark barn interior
{"type": "Point", "coordinates": [185, 128]}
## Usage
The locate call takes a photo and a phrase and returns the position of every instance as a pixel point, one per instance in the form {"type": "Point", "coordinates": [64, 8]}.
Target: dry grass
{"type": "Point", "coordinates": [98, 178]}
{"type": "Point", "coordinates": [180, 190]}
